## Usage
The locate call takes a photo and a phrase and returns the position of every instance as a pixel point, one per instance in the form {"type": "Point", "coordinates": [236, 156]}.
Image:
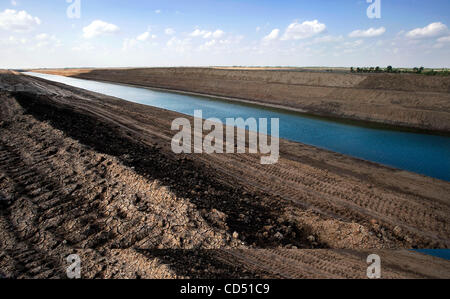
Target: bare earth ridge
{"type": "Point", "coordinates": [87, 173]}
{"type": "Point", "coordinates": [406, 100]}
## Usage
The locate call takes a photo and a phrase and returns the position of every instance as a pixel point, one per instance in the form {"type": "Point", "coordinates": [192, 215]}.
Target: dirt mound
{"type": "Point", "coordinates": [86, 173]}
{"type": "Point", "coordinates": [413, 101]}
{"type": "Point", "coordinates": [406, 82]}
{"type": "Point", "coordinates": [225, 264]}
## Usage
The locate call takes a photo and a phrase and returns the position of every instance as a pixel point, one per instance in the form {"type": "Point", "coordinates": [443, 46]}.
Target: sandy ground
{"type": "Point", "coordinates": [94, 174]}
{"type": "Point", "coordinates": [406, 100]}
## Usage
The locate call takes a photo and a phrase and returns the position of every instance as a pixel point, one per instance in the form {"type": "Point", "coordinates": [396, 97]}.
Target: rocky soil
{"type": "Point", "coordinates": [94, 175]}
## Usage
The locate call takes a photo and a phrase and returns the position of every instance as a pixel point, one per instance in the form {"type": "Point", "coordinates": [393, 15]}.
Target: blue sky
{"type": "Point", "coordinates": [218, 32]}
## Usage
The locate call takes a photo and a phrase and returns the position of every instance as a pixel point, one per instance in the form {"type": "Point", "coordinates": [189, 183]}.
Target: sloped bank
{"type": "Point", "coordinates": [403, 100]}
{"type": "Point", "coordinates": [86, 173]}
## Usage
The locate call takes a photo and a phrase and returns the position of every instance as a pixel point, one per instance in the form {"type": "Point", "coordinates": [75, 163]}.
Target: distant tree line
{"type": "Point", "coordinates": [417, 70]}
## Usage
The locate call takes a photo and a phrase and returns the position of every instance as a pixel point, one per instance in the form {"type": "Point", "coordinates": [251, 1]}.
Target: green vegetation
{"type": "Point", "coordinates": [390, 69]}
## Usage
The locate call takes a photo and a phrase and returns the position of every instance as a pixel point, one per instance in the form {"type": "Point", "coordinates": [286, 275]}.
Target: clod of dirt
{"type": "Point", "coordinates": [4, 202]}
{"type": "Point", "coordinates": [397, 230]}
{"type": "Point", "coordinates": [279, 236]}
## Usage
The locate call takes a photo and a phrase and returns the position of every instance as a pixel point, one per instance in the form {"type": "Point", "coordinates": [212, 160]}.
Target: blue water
{"type": "Point", "coordinates": [442, 253]}
{"type": "Point", "coordinates": [421, 153]}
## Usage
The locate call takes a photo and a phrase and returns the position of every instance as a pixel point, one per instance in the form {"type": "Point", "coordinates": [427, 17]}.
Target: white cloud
{"type": "Point", "coordinates": [207, 46]}
{"type": "Point", "coordinates": [258, 29]}
{"type": "Point", "coordinates": [158, 11]}
{"type": "Point", "coordinates": [218, 33]}
{"type": "Point", "coordinates": [143, 37]}
{"type": "Point", "coordinates": [98, 28]}
{"type": "Point", "coordinates": [272, 35]}
{"type": "Point", "coordinates": [304, 30]}
{"type": "Point", "coordinates": [350, 46]}
{"type": "Point", "coordinates": [432, 30]}
{"type": "Point", "coordinates": [445, 39]}
{"type": "Point", "coordinates": [328, 39]}
{"type": "Point", "coordinates": [83, 47]}
{"type": "Point", "coordinates": [228, 45]}
{"type": "Point", "coordinates": [198, 32]}
{"type": "Point", "coordinates": [201, 33]}
{"type": "Point", "coordinates": [442, 42]}
{"type": "Point", "coordinates": [207, 34]}
{"type": "Point", "coordinates": [42, 36]}
{"type": "Point", "coordinates": [13, 3]}
{"type": "Point", "coordinates": [130, 43]}
{"type": "Point", "coordinates": [371, 32]}
{"type": "Point", "coordinates": [179, 45]}
{"type": "Point", "coordinates": [13, 41]}
{"type": "Point", "coordinates": [44, 40]}
{"type": "Point", "coordinates": [354, 44]}
{"type": "Point", "coordinates": [169, 31]}
{"type": "Point", "coordinates": [18, 21]}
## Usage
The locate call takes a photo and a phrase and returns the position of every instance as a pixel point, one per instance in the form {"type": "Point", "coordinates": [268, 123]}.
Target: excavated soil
{"type": "Point", "coordinates": [404, 100]}
{"type": "Point", "coordinates": [94, 175]}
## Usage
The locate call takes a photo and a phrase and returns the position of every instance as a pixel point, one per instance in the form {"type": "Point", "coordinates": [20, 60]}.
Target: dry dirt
{"type": "Point", "coordinates": [406, 100]}
{"type": "Point", "coordinates": [86, 173]}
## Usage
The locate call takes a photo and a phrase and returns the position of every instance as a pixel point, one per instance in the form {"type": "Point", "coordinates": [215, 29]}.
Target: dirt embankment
{"type": "Point", "coordinates": [406, 100]}
{"type": "Point", "coordinates": [86, 173]}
